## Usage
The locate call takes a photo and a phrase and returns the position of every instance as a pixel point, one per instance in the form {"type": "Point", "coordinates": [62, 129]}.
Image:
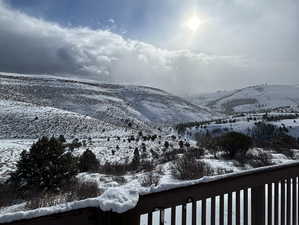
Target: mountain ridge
{"type": "Point", "coordinates": [250, 99]}
{"type": "Point", "coordinates": [110, 106]}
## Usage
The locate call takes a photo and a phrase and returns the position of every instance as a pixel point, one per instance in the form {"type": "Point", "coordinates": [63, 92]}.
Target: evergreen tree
{"type": "Point", "coordinates": [181, 144]}
{"type": "Point", "coordinates": [166, 144]}
{"type": "Point", "coordinates": [136, 159]}
{"type": "Point", "coordinates": [45, 167]}
{"type": "Point", "coordinates": [88, 162]}
{"type": "Point", "coordinates": [61, 139]}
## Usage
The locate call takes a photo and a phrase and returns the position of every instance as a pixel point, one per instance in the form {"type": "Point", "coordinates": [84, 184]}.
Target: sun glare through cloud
{"type": "Point", "coordinates": [193, 23]}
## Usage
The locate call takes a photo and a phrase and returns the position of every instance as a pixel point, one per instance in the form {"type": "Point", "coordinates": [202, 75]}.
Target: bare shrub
{"type": "Point", "coordinates": [150, 179]}
{"type": "Point", "coordinates": [147, 165]}
{"type": "Point", "coordinates": [72, 192]}
{"type": "Point", "coordinates": [117, 169]}
{"type": "Point", "coordinates": [119, 179]}
{"type": "Point", "coordinates": [83, 190]}
{"type": "Point", "coordinates": [186, 168]}
{"type": "Point", "coordinates": [171, 155]}
{"type": "Point", "coordinates": [160, 170]}
{"type": "Point", "coordinates": [45, 200]}
{"type": "Point", "coordinates": [260, 160]}
{"type": "Point", "coordinates": [221, 171]}
{"type": "Point", "coordinates": [287, 152]}
{"type": "Point", "coordinates": [196, 153]}
{"type": "Point", "coordinates": [8, 195]}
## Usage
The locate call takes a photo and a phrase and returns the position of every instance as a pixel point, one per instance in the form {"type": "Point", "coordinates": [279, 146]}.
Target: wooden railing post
{"type": "Point", "coordinates": [258, 205]}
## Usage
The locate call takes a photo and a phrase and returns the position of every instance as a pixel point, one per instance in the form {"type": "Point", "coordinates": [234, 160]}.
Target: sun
{"type": "Point", "coordinates": [193, 23]}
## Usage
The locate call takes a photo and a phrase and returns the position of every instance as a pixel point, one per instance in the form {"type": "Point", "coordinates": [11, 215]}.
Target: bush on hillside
{"type": "Point", "coordinates": [88, 162]}
{"type": "Point", "coordinates": [115, 168]}
{"type": "Point", "coordinates": [233, 143]}
{"type": "Point", "coordinates": [196, 153]}
{"type": "Point", "coordinates": [136, 160]}
{"type": "Point", "coordinates": [171, 155]}
{"type": "Point", "coordinates": [150, 179]}
{"type": "Point", "coordinates": [258, 158]}
{"type": "Point", "coordinates": [45, 167]}
{"type": "Point", "coordinates": [147, 165]}
{"type": "Point", "coordinates": [207, 141]}
{"type": "Point", "coordinates": [187, 168]}
{"type": "Point", "coordinates": [284, 142]}
{"type": "Point", "coordinates": [73, 191]}
{"type": "Point", "coordinates": [262, 133]}
{"type": "Point", "coordinates": [8, 194]}
{"type": "Point", "coordinates": [80, 191]}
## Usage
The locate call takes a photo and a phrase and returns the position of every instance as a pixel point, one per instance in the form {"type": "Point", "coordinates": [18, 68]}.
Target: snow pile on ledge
{"type": "Point", "coordinates": [118, 200]}
{"type": "Point", "coordinates": [114, 199]}
{"type": "Point", "coordinates": [121, 199]}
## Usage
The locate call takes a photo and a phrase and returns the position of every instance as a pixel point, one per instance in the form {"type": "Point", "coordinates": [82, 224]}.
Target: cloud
{"type": "Point", "coordinates": [248, 43]}
{"type": "Point", "coordinates": [31, 45]}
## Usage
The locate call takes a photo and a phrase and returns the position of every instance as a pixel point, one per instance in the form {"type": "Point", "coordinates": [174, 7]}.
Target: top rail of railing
{"type": "Point", "coordinates": [216, 186]}
{"type": "Point", "coordinates": [204, 189]}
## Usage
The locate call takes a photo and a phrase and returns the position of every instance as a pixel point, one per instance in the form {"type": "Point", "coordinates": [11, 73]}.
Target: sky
{"type": "Point", "coordinates": [184, 47]}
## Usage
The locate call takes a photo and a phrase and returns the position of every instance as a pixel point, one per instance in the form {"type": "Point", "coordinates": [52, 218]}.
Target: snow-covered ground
{"type": "Point", "coordinates": [35, 105]}
{"type": "Point", "coordinates": [117, 196]}
{"type": "Point", "coordinates": [116, 148]}
{"type": "Point", "coordinates": [105, 116]}
{"type": "Point", "coordinates": [254, 98]}
{"type": "Point", "coordinates": [246, 122]}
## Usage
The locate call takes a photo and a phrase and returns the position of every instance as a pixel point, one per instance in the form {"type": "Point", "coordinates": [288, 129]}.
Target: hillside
{"type": "Point", "coordinates": [250, 99]}
{"type": "Point", "coordinates": [43, 105]}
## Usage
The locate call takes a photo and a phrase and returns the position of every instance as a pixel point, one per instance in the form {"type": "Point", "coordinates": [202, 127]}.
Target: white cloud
{"type": "Point", "coordinates": [31, 45]}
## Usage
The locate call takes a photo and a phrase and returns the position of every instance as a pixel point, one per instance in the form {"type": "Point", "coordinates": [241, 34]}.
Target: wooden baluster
{"type": "Point", "coordinates": [184, 214]}
{"type": "Point", "coordinates": [194, 212]}
{"type": "Point", "coordinates": [246, 206]}
{"type": "Point", "coordinates": [203, 212]}
{"type": "Point", "coordinates": [221, 214]}
{"type": "Point", "coordinates": [213, 210]}
{"type": "Point", "coordinates": [238, 207]}
{"type": "Point", "coordinates": [283, 217]}
{"type": "Point", "coordinates": [150, 218]}
{"type": "Point", "coordinates": [270, 204]}
{"type": "Point", "coordinates": [294, 200]}
{"type": "Point", "coordinates": [173, 215]}
{"type": "Point", "coordinates": [276, 203]}
{"type": "Point", "coordinates": [258, 205]}
{"type": "Point", "coordinates": [230, 208]}
{"type": "Point", "coordinates": [162, 217]}
{"type": "Point", "coordinates": [288, 207]}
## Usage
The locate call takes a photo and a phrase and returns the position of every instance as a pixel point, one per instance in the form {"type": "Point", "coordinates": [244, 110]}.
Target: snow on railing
{"type": "Point", "coordinates": [261, 196]}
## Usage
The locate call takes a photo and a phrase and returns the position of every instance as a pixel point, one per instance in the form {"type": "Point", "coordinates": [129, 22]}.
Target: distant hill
{"type": "Point", "coordinates": [31, 106]}
{"type": "Point", "coordinates": [250, 99]}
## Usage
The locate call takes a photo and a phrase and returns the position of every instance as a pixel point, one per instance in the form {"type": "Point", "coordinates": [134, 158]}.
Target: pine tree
{"type": "Point", "coordinates": [136, 159]}
{"type": "Point", "coordinates": [61, 138]}
{"type": "Point", "coordinates": [166, 144]}
{"type": "Point", "coordinates": [45, 167]}
{"type": "Point", "coordinates": [88, 162]}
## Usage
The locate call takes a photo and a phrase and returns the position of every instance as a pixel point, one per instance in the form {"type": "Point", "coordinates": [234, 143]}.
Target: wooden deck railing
{"type": "Point", "coordinates": [266, 196]}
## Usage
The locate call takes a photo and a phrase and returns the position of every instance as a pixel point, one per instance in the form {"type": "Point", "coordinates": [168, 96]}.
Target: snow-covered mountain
{"type": "Point", "coordinates": [31, 106]}
{"type": "Point", "coordinates": [249, 99]}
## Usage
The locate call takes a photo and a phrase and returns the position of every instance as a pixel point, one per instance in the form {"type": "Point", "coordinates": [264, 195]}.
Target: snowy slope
{"type": "Point", "coordinates": [255, 98]}
{"type": "Point", "coordinates": [35, 105]}
{"type": "Point", "coordinates": [243, 125]}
